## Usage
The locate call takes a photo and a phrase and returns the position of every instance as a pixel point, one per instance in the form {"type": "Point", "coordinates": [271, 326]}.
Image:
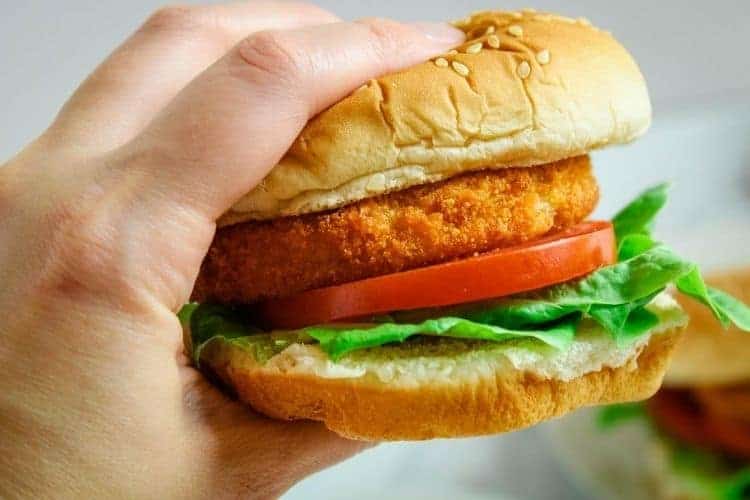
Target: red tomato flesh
{"type": "Point", "coordinates": [684, 419]}
{"type": "Point", "coordinates": [562, 257]}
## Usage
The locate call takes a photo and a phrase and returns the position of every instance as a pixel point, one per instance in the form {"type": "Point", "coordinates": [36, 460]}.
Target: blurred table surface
{"type": "Point", "coordinates": [704, 150]}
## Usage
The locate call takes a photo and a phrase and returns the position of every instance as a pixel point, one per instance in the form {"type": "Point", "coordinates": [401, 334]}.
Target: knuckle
{"type": "Point", "coordinates": [383, 34]}
{"type": "Point", "coordinates": [273, 54]}
{"type": "Point", "coordinates": [82, 254]}
{"type": "Point", "coordinates": [78, 238]}
{"type": "Point", "coordinates": [175, 18]}
{"type": "Point", "coordinates": [381, 29]}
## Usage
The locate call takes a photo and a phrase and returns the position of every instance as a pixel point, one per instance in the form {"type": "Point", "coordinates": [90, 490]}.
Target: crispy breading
{"type": "Point", "coordinates": [415, 227]}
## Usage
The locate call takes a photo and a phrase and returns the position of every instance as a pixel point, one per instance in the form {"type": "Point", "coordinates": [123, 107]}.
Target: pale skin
{"type": "Point", "coordinates": [104, 221]}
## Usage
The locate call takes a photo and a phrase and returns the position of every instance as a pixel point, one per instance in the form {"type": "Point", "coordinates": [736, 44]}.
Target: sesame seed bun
{"type": "Point", "coordinates": [708, 355]}
{"type": "Point", "coordinates": [524, 89]}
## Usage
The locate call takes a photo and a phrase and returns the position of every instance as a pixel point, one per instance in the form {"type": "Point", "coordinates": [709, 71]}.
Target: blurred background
{"type": "Point", "coordinates": [694, 55]}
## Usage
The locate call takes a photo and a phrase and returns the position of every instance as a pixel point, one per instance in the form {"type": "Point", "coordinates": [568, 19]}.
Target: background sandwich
{"type": "Point", "coordinates": [702, 416]}
{"type": "Point", "coordinates": [419, 264]}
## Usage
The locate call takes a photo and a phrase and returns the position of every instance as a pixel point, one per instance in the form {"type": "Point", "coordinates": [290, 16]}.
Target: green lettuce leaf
{"type": "Point", "coordinates": [632, 245]}
{"type": "Point", "coordinates": [726, 308]}
{"type": "Point", "coordinates": [639, 215]}
{"type": "Point", "coordinates": [692, 285]}
{"type": "Point", "coordinates": [612, 416]}
{"type": "Point", "coordinates": [708, 475]}
{"type": "Point", "coordinates": [338, 340]}
{"type": "Point", "coordinates": [613, 296]}
{"type": "Point", "coordinates": [208, 321]}
{"type": "Point", "coordinates": [737, 487]}
{"type": "Point", "coordinates": [737, 312]}
{"type": "Point", "coordinates": [633, 231]}
{"type": "Point", "coordinates": [625, 323]}
{"type": "Point", "coordinates": [186, 312]}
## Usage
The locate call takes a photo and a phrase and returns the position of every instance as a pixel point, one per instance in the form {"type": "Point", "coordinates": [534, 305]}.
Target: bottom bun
{"type": "Point", "coordinates": [423, 397]}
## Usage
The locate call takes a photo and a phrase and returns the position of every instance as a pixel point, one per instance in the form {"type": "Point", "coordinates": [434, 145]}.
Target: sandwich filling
{"type": "Point", "coordinates": [425, 359]}
{"type": "Point", "coordinates": [615, 299]}
{"type": "Point", "coordinates": [472, 213]}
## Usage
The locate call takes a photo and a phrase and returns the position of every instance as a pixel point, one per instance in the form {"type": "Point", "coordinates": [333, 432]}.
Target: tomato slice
{"type": "Point", "coordinates": [680, 417]}
{"type": "Point", "coordinates": [683, 418]}
{"type": "Point", "coordinates": [569, 254]}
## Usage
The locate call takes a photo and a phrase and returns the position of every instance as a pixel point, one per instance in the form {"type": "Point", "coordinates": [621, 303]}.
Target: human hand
{"type": "Point", "coordinates": [104, 221]}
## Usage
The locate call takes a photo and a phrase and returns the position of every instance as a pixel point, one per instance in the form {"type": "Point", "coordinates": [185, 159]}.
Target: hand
{"type": "Point", "coordinates": [104, 221]}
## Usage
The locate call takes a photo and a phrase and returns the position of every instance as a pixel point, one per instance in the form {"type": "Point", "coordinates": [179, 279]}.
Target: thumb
{"type": "Point", "coordinates": [232, 124]}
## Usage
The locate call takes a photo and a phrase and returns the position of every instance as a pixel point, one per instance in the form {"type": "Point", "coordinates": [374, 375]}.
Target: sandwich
{"type": "Point", "coordinates": [420, 264]}
{"type": "Point", "coordinates": [701, 418]}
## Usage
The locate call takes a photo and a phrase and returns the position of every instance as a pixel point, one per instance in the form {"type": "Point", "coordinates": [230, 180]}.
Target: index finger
{"type": "Point", "coordinates": [173, 46]}
{"type": "Point", "coordinates": [226, 130]}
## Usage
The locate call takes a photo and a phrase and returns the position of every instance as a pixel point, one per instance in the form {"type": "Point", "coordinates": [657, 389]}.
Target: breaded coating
{"type": "Point", "coordinates": [427, 224]}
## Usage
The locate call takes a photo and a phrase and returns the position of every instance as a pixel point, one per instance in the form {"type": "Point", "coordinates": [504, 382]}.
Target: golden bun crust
{"type": "Point", "coordinates": [707, 355]}
{"type": "Point", "coordinates": [369, 409]}
{"type": "Point", "coordinates": [525, 89]}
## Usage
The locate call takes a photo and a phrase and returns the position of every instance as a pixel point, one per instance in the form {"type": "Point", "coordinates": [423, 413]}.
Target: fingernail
{"type": "Point", "coordinates": [440, 32]}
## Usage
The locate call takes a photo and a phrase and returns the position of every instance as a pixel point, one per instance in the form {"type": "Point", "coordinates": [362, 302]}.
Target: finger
{"type": "Point", "coordinates": [157, 61]}
{"type": "Point", "coordinates": [223, 133]}
{"type": "Point", "coordinates": [295, 450]}
{"type": "Point", "coordinates": [246, 449]}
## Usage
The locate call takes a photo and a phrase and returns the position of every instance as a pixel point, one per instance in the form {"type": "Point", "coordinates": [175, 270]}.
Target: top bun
{"type": "Point", "coordinates": [708, 355]}
{"type": "Point", "coordinates": [524, 89]}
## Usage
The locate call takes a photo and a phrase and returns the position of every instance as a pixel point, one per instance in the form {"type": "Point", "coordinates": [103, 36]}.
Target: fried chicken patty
{"type": "Point", "coordinates": [426, 224]}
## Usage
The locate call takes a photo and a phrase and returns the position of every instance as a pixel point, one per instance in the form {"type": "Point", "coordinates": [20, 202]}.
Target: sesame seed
{"type": "Point", "coordinates": [543, 56]}
{"type": "Point", "coordinates": [441, 62]}
{"type": "Point", "coordinates": [515, 30]}
{"type": "Point", "coordinates": [490, 30]}
{"type": "Point", "coordinates": [516, 15]}
{"type": "Point", "coordinates": [493, 41]}
{"type": "Point", "coordinates": [474, 48]}
{"type": "Point", "coordinates": [453, 52]}
{"type": "Point", "coordinates": [584, 21]}
{"type": "Point", "coordinates": [524, 70]}
{"type": "Point", "coordinates": [461, 69]}
{"type": "Point", "coordinates": [528, 10]}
